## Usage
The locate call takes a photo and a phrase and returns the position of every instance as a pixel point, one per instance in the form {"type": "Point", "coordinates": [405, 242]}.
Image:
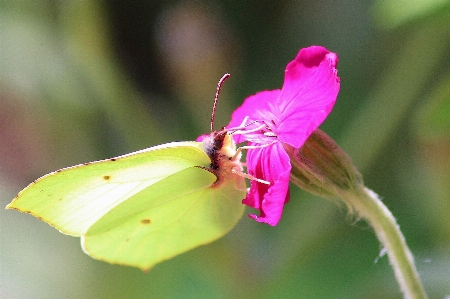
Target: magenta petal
{"type": "Point", "coordinates": [261, 106]}
{"type": "Point", "coordinates": [272, 164]}
{"type": "Point", "coordinates": [201, 137]}
{"type": "Point", "coordinates": [309, 92]}
{"type": "Point", "coordinates": [299, 70]}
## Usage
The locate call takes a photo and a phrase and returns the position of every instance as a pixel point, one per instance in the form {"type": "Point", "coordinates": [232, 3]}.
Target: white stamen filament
{"type": "Point", "coordinates": [247, 147]}
{"type": "Point", "coordinates": [269, 134]}
{"type": "Point", "coordinates": [243, 122]}
{"type": "Point", "coordinates": [241, 131]}
{"type": "Point", "coordinates": [257, 146]}
{"type": "Point", "coordinates": [250, 177]}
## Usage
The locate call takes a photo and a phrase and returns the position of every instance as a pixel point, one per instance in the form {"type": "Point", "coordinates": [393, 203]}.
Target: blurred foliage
{"type": "Point", "coordinates": [84, 80]}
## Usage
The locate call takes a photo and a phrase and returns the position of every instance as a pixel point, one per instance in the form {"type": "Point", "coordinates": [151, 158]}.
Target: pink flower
{"type": "Point", "coordinates": [277, 119]}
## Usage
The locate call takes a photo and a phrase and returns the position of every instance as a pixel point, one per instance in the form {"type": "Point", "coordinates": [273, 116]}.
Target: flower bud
{"type": "Point", "coordinates": [321, 167]}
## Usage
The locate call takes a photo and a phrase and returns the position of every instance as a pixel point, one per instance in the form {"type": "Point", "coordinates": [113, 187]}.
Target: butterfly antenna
{"type": "Point", "coordinates": [219, 86]}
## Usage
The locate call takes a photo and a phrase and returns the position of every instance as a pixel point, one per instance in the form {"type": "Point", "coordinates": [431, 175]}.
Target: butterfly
{"type": "Point", "coordinates": [147, 206]}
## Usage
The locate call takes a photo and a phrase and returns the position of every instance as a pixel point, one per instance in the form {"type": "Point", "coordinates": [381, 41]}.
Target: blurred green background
{"type": "Point", "coordinates": [85, 80]}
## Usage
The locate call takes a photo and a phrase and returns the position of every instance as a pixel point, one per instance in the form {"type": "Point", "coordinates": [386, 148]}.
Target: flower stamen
{"type": "Point", "coordinates": [243, 126]}
{"type": "Point", "coordinates": [249, 176]}
{"type": "Point", "coordinates": [247, 147]}
{"type": "Point", "coordinates": [243, 131]}
{"type": "Point", "coordinates": [269, 134]}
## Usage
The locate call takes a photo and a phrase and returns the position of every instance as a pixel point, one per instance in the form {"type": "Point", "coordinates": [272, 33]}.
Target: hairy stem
{"type": "Point", "coordinates": [367, 205]}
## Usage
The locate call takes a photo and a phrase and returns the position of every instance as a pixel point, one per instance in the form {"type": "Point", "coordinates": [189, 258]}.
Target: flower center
{"type": "Point", "coordinates": [259, 132]}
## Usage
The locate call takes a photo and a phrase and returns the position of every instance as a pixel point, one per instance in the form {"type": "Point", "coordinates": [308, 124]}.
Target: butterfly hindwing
{"type": "Point", "coordinates": [170, 217]}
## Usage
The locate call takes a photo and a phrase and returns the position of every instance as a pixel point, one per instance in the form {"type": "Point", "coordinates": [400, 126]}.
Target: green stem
{"type": "Point", "coordinates": [367, 205]}
{"type": "Point", "coordinates": [321, 167]}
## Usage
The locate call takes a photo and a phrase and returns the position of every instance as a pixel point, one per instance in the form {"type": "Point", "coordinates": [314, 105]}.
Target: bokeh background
{"type": "Point", "coordinates": [85, 80]}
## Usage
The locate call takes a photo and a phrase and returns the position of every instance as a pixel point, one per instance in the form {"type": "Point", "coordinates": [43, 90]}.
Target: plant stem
{"type": "Point", "coordinates": [367, 205]}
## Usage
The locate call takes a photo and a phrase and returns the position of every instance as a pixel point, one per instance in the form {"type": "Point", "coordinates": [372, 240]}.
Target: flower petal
{"type": "Point", "coordinates": [201, 137]}
{"type": "Point", "coordinates": [309, 92]}
{"type": "Point", "coordinates": [261, 106]}
{"type": "Point", "coordinates": [271, 164]}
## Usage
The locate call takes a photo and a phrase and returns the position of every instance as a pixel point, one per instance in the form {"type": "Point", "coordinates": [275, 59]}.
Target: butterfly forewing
{"type": "Point", "coordinates": [74, 198]}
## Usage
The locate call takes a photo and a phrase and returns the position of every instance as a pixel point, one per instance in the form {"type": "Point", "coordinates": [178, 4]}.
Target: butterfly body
{"type": "Point", "coordinates": [225, 161]}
